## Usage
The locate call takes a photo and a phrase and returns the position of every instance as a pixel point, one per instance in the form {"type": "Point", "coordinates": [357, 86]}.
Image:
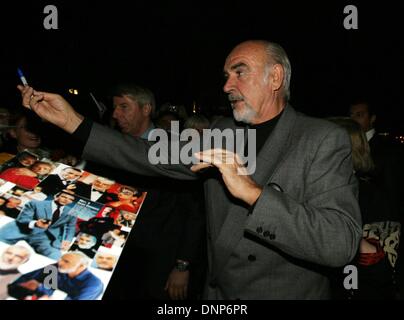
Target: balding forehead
{"type": "Point", "coordinates": [246, 52]}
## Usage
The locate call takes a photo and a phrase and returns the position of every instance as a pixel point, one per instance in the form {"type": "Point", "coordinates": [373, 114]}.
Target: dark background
{"type": "Point", "coordinates": [178, 50]}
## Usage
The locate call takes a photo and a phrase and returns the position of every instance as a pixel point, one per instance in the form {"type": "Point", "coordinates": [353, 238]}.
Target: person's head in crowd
{"type": "Point", "coordinates": [257, 81]}
{"type": "Point", "coordinates": [42, 168]}
{"type": "Point", "coordinates": [197, 122]}
{"type": "Point", "coordinates": [361, 156]}
{"type": "Point", "coordinates": [64, 198]}
{"type": "Point", "coordinates": [4, 117]}
{"type": "Point", "coordinates": [177, 109]}
{"type": "Point", "coordinates": [13, 202]}
{"type": "Point", "coordinates": [102, 184]}
{"type": "Point", "coordinates": [164, 119]}
{"type": "Point", "coordinates": [13, 257]}
{"type": "Point", "coordinates": [71, 173]}
{"type": "Point", "coordinates": [363, 113]}
{"type": "Point", "coordinates": [73, 263]}
{"type": "Point", "coordinates": [105, 261]}
{"type": "Point", "coordinates": [134, 107]}
{"type": "Point", "coordinates": [27, 159]}
{"type": "Point", "coordinates": [25, 132]}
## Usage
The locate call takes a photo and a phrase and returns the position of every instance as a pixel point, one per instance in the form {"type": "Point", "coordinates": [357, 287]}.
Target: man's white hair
{"type": "Point", "coordinates": [83, 258]}
{"type": "Point", "coordinates": [277, 55]}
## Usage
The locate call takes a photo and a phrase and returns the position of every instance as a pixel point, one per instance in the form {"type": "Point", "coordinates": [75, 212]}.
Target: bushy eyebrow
{"type": "Point", "coordinates": [238, 65]}
{"type": "Point", "coordinates": [235, 67]}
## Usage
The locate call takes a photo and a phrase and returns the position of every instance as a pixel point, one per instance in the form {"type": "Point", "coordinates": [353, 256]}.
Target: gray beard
{"type": "Point", "coordinates": [246, 116]}
{"type": "Point", "coordinates": [68, 270]}
{"type": "Point", "coordinates": [7, 267]}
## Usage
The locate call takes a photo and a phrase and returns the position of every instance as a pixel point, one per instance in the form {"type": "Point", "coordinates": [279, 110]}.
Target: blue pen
{"type": "Point", "coordinates": [21, 76]}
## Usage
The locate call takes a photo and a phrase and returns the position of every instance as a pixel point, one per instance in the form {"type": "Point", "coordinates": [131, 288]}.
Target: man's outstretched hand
{"type": "Point", "coordinates": [51, 107]}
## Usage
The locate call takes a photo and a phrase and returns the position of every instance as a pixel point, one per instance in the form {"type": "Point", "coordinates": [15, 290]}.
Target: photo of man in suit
{"type": "Point", "coordinates": [271, 233]}
{"type": "Point", "coordinates": [66, 179]}
{"type": "Point", "coordinates": [96, 191]}
{"type": "Point", "coordinates": [45, 225]}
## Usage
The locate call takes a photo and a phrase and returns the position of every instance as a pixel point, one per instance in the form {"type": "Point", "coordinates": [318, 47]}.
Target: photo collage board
{"type": "Point", "coordinates": [62, 229]}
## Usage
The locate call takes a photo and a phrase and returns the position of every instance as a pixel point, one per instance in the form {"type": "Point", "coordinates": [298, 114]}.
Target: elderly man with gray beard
{"type": "Point", "coordinates": [70, 275]}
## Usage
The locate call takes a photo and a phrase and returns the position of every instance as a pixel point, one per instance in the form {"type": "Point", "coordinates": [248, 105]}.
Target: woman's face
{"type": "Point", "coordinates": [125, 194]}
{"type": "Point", "coordinates": [41, 169]}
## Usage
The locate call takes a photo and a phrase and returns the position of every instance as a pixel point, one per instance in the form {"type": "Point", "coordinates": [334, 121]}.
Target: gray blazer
{"type": "Point", "coordinates": [281, 248]}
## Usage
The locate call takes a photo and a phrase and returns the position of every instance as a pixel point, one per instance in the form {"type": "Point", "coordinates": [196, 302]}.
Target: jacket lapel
{"type": "Point", "coordinates": [268, 160]}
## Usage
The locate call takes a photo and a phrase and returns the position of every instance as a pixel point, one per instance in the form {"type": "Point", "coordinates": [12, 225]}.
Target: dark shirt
{"type": "Point", "coordinates": [264, 130]}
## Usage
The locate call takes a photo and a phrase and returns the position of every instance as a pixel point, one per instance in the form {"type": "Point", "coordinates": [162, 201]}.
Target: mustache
{"type": "Point", "coordinates": [234, 97]}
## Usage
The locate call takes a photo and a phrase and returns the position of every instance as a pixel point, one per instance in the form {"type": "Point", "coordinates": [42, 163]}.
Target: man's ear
{"type": "Point", "coordinates": [276, 77]}
{"type": "Point", "coordinates": [147, 109]}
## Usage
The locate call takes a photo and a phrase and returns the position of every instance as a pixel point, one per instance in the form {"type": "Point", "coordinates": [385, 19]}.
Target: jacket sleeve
{"type": "Point", "coordinates": [118, 150]}
{"type": "Point", "coordinates": [27, 214]}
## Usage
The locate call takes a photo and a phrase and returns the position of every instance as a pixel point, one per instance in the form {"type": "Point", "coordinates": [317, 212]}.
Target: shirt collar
{"type": "Point", "coordinates": [370, 134]}
{"type": "Point", "coordinates": [145, 134]}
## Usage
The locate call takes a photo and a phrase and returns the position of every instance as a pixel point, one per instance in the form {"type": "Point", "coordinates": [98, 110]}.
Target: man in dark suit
{"type": "Point", "coordinates": [386, 154]}
{"type": "Point", "coordinates": [272, 233]}
{"type": "Point", "coordinates": [96, 191]}
{"type": "Point", "coordinates": [388, 157]}
{"type": "Point", "coordinates": [45, 225]}
{"type": "Point", "coordinates": [66, 179]}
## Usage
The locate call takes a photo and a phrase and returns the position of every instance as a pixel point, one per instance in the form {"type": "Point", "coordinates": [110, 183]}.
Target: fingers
{"type": "Point", "coordinates": [177, 292]}
{"type": "Point", "coordinates": [30, 97]}
{"type": "Point", "coordinates": [218, 157]}
{"type": "Point", "coordinates": [35, 98]}
{"type": "Point", "coordinates": [200, 166]}
{"type": "Point", "coordinates": [26, 93]}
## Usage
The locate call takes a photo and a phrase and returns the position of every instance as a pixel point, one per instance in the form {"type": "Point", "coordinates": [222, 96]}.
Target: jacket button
{"type": "Point", "coordinates": [259, 229]}
{"type": "Point", "coordinates": [272, 237]}
{"type": "Point", "coordinates": [252, 258]}
{"type": "Point", "coordinates": [267, 234]}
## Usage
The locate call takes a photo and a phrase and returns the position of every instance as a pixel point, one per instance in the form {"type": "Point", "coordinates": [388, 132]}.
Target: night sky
{"type": "Point", "coordinates": [177, 49]}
